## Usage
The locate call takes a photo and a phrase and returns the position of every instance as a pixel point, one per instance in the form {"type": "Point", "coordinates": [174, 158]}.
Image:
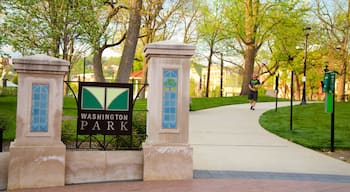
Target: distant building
{"type": "Point", "coordinates": [198, 78]}
{"type": "Point", "coordinates": [232, 80]}
{"type": "Point", "coordinates": [87, 77]}
{"type": "Point", "coordinates": [136, 79]}
{"type": "Point", "coordinates": [195, 80]}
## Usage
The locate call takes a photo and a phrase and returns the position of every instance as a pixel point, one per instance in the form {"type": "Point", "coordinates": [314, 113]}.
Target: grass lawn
{"type": "Point", "coordinates": [311, 125]}
{"type": "Point", "coordinates": [8, 111]}
{"type": "Point", "coordinates": [8, 105]}
{"type": "Point", "coordinates": [206, 103]}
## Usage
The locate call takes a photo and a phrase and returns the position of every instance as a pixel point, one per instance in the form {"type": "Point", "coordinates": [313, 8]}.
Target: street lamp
{"type": "Point", "coordinates": [303, 99]}
{"type": "Point", "coordinates": [221, 74]}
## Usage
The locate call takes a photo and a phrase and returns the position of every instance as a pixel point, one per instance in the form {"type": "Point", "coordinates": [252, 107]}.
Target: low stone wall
{"type": "Point", "coordinates": [4, 163]}
{"type": "Point", "coordinates": [92, 166]}
{"type": "Point", "coordinates": [101, 166]}
{"type": "Point", "coordinates": [167, 162]}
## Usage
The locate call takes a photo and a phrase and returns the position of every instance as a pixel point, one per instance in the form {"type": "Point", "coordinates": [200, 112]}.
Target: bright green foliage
{"type": "Point", "coordinates": [211, 30]}
{"type": "Point", "coordinates": [70, 106]}
{"type": "Point", "coordinates": [35, 26]}
{"type": "Point", "coordinates": [256, 26]}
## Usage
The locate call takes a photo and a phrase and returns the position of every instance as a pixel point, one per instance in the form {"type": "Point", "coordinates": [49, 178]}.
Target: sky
{"type": "Point", "coordinates": [7, 49]}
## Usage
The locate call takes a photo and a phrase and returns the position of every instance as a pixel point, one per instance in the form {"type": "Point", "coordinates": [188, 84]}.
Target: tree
{"type": "Point", "coordinates": [282, 48]}
{"type": "Point", "coordinates": [52, 27]}
{"type": "Point", "coordinates": [35, 26]}
{"type": "Point", "coordinates": [189, 16]}
{"type": "Point", "coordinates": [60, 28]}
{"type": "Point", "coordinates": [156, 16]}
{"type": "Point", "coordinates": [2, 36]}
{"type": "Point", "coordinates": [128, 54]}
{"type": "Point", "coordinates": [251, 24]}
{"type": "Point", "coordinates": [104, 28]}
{"type": "Point", "coordinates": [334, 17]}
{"type": "Point", "coordinates": [210, 30]}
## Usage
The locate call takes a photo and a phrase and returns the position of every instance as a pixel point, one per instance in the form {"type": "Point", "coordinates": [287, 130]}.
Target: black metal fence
{"type": "Point", "coordinates": [3, 126]}
{"type": "Point", "coordinates": [1, 139]}
{"type": "Point", "coordinates": [74, 141]}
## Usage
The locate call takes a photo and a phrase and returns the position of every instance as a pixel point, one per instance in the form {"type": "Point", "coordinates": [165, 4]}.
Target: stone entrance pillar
{"type": "Point", "coordinates": [37, 156]}
{"type": "Point", "coordinates": [167, 155]}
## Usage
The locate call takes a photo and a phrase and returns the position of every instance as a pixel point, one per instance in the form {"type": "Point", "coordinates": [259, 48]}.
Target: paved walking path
{"type": "Point", "coordinates": [232, 153]}
{"type": "Point", "coordinates": [230, 138]}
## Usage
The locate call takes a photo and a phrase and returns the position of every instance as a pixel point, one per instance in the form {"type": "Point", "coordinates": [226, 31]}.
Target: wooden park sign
{"type": "Point", "coordinates": [104, 108]}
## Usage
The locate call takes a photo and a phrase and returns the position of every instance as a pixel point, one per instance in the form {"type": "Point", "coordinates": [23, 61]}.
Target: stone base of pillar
{"type": "Point", "coordinates": [167, 162]}
{"type": "Point", "coordinates": [36, 166]}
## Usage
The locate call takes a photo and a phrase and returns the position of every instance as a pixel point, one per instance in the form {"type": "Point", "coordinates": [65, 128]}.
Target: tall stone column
{"type": "Point", "coordinates": [167, 154]}
{"type": "Point", "coordinates": [37, 156]}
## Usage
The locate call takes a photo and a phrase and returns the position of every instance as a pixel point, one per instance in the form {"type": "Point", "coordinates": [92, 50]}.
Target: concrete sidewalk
{"type": "Point", "coordinates": [230, 138]}
{"type": "Point", "coordinates": [232, 153]}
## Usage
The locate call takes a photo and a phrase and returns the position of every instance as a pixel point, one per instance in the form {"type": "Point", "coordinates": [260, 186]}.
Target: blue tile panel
{"type": "Point", "coordinates": [40, 103]}
{"type": "Point", "coordinates": [170, 81]}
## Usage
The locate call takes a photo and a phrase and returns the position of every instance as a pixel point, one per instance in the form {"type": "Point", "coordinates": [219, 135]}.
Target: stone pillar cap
{"type": "Point", "coordinates": [40, 62]}
{"type": "Point", "coordinates": [169, 48]}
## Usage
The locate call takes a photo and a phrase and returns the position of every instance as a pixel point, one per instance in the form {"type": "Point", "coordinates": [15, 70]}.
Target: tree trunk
{"type": "Point", "coordinates": [341, 83]}
{"type": "Point", "coordinates": [99, 77]}
{"type": "Point", "coordinates": [251, 12]}
{"type": "Point", "coordinates": [344, 53]}
{"type": "Point", "coordinates": [249, 58]}
{"type": "Point", "coordinates": [342, 76]}
{"type": "Point", "coordinates": [128, 54]}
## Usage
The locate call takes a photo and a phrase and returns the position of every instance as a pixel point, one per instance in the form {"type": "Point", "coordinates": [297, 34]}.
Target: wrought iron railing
{"type": "Point", "coordinates": [75, 141]}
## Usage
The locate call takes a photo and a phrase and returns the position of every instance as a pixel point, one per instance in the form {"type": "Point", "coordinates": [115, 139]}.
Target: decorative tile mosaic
{"type": "Point", "coordinates": [40, 102]}
{"type": "Point", "coordinates": [170, 79]}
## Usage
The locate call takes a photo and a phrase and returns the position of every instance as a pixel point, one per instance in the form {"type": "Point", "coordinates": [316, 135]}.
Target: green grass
{"type": "Point", "coordinates": [8, 105]}
{"type": "Point", "coordinates": [69, 106]}
{"type": "Point", "coordinates": [311, 125]}
{"type": "Point", "coordinates": [206, 103]}
{"type": "Point", "coordinates": [8, 111]}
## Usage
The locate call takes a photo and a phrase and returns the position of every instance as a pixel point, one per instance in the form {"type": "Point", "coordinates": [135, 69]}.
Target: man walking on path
{"type": "Point", "coordinates": [253, 90]}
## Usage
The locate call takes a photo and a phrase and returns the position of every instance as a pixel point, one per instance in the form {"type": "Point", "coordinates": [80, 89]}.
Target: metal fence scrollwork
{"type": "Point", "coordinates": [103, 118]}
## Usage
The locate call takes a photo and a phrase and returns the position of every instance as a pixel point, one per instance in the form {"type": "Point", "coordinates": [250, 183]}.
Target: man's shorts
{"type": "Point", "coordinates": [253, 95]}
